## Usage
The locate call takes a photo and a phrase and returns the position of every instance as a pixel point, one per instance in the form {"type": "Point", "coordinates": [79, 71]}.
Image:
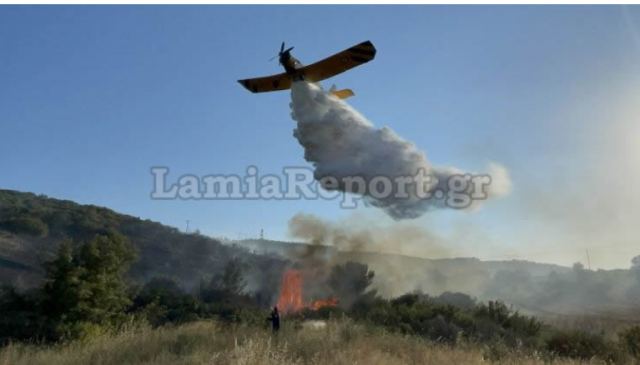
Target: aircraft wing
{"type": "Point", "coordinates": [269, 83]}
{"type": "Point", "coordinates": [339, 62]}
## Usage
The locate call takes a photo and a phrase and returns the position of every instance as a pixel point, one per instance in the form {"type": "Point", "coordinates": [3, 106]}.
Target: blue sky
{"type": "Point", "coordinates": [92, 97]}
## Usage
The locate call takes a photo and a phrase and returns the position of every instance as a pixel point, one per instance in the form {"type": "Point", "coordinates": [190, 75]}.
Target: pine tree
{"type": "Point", "coordinates": [85, 288]}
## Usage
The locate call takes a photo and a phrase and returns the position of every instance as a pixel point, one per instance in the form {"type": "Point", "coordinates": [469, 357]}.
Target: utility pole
{"type": "Point", "coordinates": [187, 229]}
{"type": "Point", "coordinates": [588, 260]}
{"type": "Point", "coordinates": [261, 234]}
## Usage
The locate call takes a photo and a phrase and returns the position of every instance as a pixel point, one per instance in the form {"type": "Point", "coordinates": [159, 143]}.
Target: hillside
{"type": "Point", "coordinates": [32, 226]}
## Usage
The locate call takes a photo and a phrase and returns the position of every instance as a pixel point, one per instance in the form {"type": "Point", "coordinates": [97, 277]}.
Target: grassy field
{"type": "Point", "coordinates": [339, 342]}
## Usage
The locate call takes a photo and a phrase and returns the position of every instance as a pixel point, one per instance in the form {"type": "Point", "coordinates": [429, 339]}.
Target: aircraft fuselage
{"type": "Point", "coordinates": [291, 65]}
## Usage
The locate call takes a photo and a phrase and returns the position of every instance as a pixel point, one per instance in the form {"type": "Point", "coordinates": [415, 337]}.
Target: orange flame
{"type": "Point", "coordinates": [321, 303]}
{"type": "Point", "coordinates": [290, 300]}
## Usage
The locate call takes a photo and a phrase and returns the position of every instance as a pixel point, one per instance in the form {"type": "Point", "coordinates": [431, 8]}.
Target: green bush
{"type": "Point", "coordinates": [630, 339]}
{"type": "Point", "coordinates": [435, 319]}
{"type": "Point", "coordinates": [162, 301]}
{"type": "Point", "coordinates": [581, 345]}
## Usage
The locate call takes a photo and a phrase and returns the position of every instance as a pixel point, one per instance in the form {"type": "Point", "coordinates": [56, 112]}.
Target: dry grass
{"type": "Point", "coordinates": [210, 343]}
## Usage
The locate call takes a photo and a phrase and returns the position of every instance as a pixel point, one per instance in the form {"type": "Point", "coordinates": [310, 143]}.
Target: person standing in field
{"type": "Point", "coordinates": [275, 320]}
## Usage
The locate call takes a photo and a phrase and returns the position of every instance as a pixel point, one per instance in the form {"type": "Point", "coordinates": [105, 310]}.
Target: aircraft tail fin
{"type": "Point", "coordinates": [342, 94]}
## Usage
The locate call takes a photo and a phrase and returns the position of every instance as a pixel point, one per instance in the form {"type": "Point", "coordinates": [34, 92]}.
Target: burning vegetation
{"type": "Point", "coordinates": [291, 299]}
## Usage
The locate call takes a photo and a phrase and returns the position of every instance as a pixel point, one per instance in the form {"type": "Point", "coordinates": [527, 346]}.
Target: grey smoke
{"type": "Point", "coordinates": [547, 290]}
{"type": "Point", "coordinates": [353, 239]}
{"type": "Point", "coordinates": [340, 142]}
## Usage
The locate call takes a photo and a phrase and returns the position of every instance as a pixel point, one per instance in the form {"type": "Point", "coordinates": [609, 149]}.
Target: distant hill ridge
{"type": "Point", "coordinates": [265, 246]}
{"type": "Point", "coordinates": [398, 274]}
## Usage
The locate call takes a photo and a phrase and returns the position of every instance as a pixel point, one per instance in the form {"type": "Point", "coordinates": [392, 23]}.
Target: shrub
{"type": "Point", "coordinates": [162, 301]}
{"type": "Point", "coordinates": [630, 339]}
{"type": "Point", "coordinates": [581, 345]}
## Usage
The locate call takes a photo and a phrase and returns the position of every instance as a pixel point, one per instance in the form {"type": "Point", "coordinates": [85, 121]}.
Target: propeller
{"type": "Point", "coordinates": [282, 52]}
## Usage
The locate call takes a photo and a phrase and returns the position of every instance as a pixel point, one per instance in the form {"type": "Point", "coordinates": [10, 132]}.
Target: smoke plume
{"type": "Point", "coordinates": [358, 234]}
{"type": "Point", "coordinates": [379, 246]}
{"type": "Point", "coordinates": [340, 143]}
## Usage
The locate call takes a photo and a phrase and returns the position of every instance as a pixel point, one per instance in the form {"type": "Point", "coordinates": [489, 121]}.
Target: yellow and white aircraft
{"type": "Point", "coordinates": [328, 67]}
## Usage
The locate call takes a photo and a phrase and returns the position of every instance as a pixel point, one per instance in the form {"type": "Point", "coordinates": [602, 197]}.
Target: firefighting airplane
{"type": "Point", "coordinates": [329, 67]}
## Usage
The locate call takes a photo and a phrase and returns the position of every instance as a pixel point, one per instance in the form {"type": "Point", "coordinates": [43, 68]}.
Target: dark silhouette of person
{"type": "Point", "coordinates": [275, 319]}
